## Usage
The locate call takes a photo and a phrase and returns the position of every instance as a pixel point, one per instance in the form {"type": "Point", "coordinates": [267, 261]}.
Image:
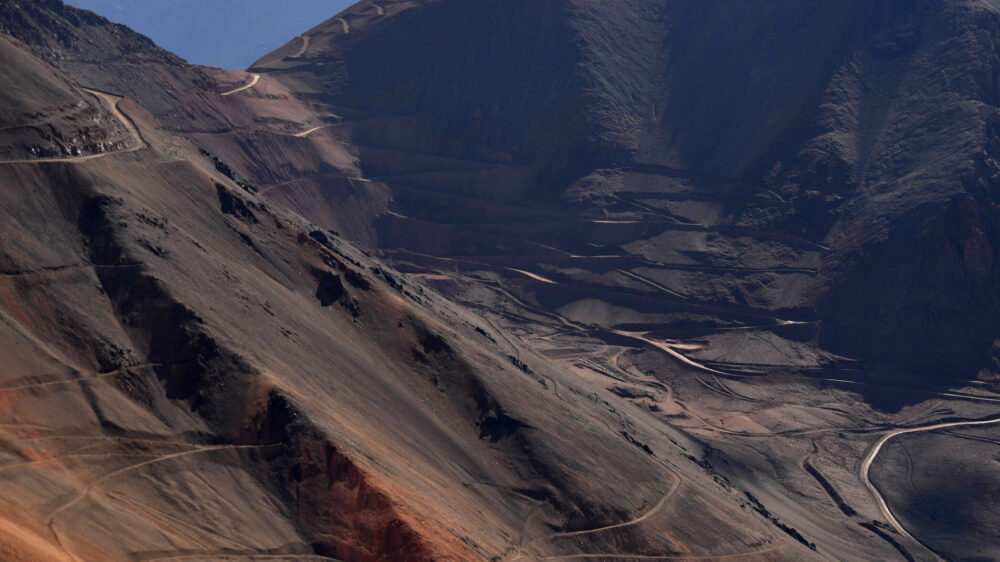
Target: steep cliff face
{"type": "Point", "coordinates": [915, 241]}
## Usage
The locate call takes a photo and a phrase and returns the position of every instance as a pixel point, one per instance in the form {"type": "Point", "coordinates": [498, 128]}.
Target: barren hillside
{"type": "Point", "coordinates": [449, 280]}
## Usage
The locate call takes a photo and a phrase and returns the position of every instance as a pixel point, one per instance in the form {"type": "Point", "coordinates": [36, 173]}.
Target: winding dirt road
{"type": "Point", "coordinates": [668, 349]}
{"type": "Point", "coordinates": [302, 49]}
{"type": "Point", "coordinates": [652, 511]}
{"type": "Point", "coordinates": [675, 484]}
{"type": "Point", "coordinates": [251, 84]}
{"type": "Point", "coordinates": [111, 102]}
{"type": "Point", "coordinates": [866, 465]}
{"type": "Point", "coordinates": [90, 487]}
{"type": "Point", "coordinates": [86, 492]}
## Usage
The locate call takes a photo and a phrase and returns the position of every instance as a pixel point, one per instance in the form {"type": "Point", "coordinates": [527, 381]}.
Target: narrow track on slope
{"type": "Point", "coordinates": [248, 555]}
{"type": "Point", "coordinates": [534, 276]}
{"type": "Point", "coordinates": [313, 130]}
{"type": "Point", "coordinates": [645, 515]}
{"type": "Point", "coordinates": [251, 84]}
{"type": "Point", "coordinates": [616, 556]}
{"type": "Point", "coordinates": [69, 267]}
{"type": "Point", "coordinates": [92, 377]}
{"type": "Point", "coordinates": [302, 49]}
{"type": "Point", "coordinates": [651, 283]}
{"type": "Point", "coordinates": [111, 102]}
{"type": "Point", "coordinates": [158, 459]}
{"type": "Point", "coordinates": [666, 348]}
{"type": "Point", "coordinates": [866, 465]}
{"type": "Point", "coordinates": [200, 450]}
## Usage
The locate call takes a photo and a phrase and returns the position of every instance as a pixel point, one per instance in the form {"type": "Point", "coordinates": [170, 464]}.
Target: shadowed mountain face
{"type": "Point", "coordinates": [450, 280]}
{"type": "Point", "coordinates": [834, 157]}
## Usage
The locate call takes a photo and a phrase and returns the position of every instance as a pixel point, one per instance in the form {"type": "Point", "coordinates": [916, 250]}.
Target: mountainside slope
{"type": "Point", "coordinates": [58, 119]}
{"type": "Point", "coordinates": [191, 372]}
{"type": "Point", "coordinates": [861, 158]}
{"type": "Point", "coordinates": [654, 229]}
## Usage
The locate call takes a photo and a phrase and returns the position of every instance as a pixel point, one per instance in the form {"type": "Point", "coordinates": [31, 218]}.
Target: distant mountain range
{"type": "Point", "coordinates": [225, 33]}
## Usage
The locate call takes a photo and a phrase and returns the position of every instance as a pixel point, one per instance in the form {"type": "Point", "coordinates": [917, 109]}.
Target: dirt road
{"type": "Point", "coordinates": [669, 349]}
{"type": "Point", "coordinates": [651, 283]}
{"type": "Point", "coordinates": [310, 131]}
{"type": "Point", "coordinates": [675, 484]}
{"type": "Point", "coordinates": [302, 49]}
{"type": "Point", "coordinates": [251, 84]}
{"type": "Point", "coordinates": [533, 276]}
{"type": "Point", "coordinates": [111, 102]}
{"type": "Point", "coordinates": [866, 465]}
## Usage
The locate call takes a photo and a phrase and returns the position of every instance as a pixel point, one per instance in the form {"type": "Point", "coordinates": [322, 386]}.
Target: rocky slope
{"type": "Point", "coordinates": [684, 270]}
{"type": "Point", "coordinates": [58, 119]}
{"type": "Point", "coordinates": [191, 372]}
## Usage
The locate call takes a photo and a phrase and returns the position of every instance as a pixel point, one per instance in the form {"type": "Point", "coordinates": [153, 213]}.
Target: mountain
{"type": "Point", "coordinates": [191, 371]}
{"type": "Point", "coordinates": [845, 182]}
{"type": "Point", "coordinates": [441, 280]}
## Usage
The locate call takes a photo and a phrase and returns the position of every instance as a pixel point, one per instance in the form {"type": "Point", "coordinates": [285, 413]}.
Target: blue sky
{"type": "Point", "coordinates": [226, 33]}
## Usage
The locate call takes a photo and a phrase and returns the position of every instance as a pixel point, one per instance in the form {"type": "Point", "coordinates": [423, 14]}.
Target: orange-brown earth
{"type": "Point", "coordinates": [443, 280]}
